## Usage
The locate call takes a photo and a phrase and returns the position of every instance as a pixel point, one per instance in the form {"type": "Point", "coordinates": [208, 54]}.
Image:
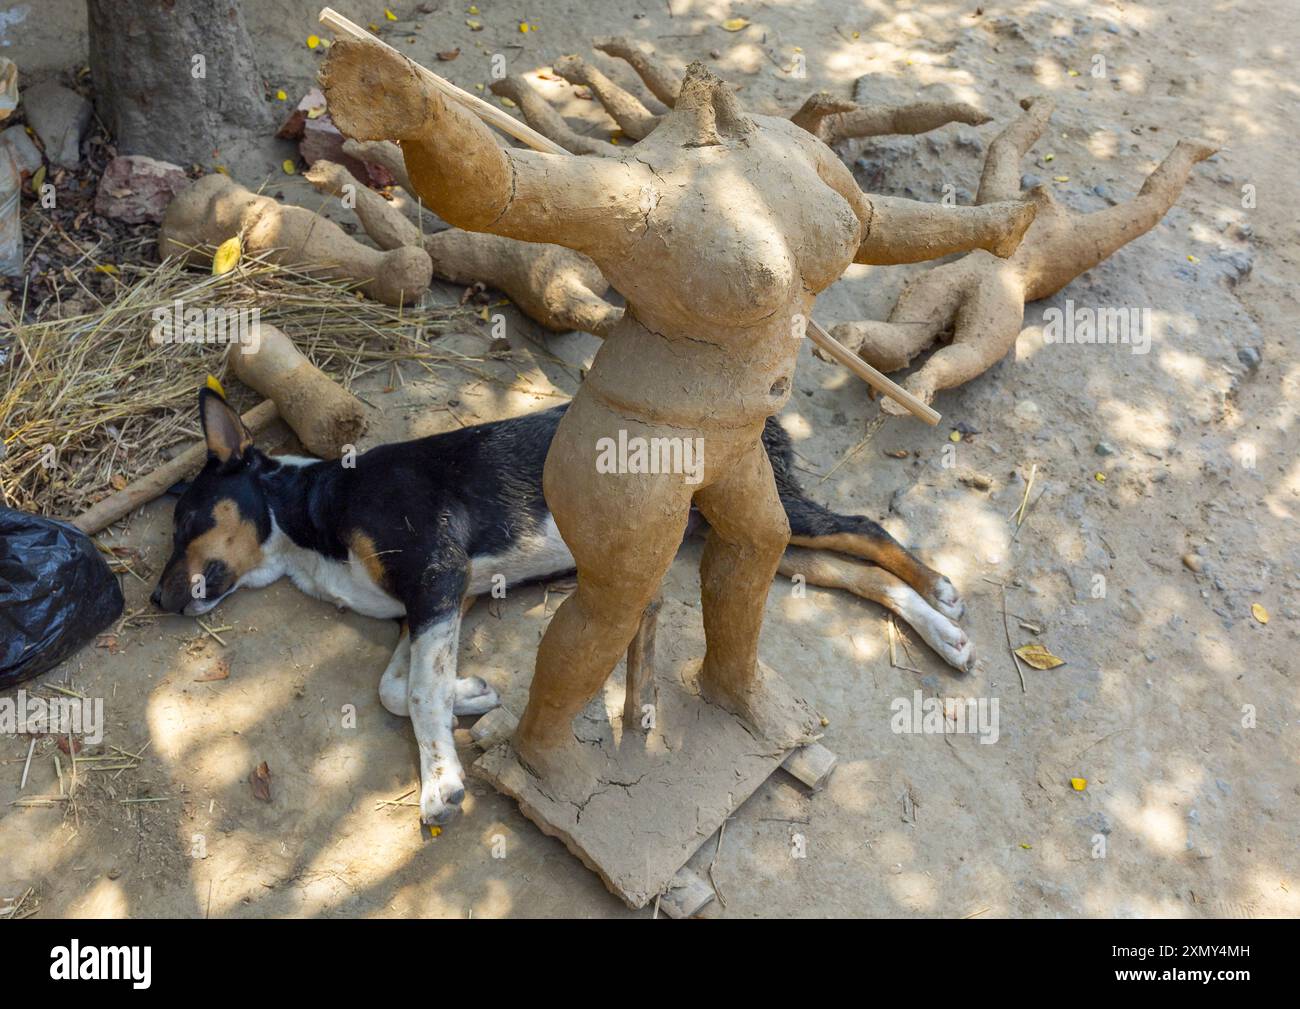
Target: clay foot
{"type": "Point", "coordinates": [1196, 148]}
{"type": "Point", "coordinates": [442, 790]}
{"type": "Point", "coordinates": [896, 409]}
{"type": "Point", "coordinates": [375, 93]}
{"type": "Point", "coordinates": [945, 598]}
{"type": "Point", "coordinates": [473, 696]}
{"type": "Point", "coordinates": [329, 177]}
{"type": "Point", "coordinates": [1017, 223]}
{"type": "Point", "coordinates": [767, 703]}
{"type": "Point", "coordinates": [567, 771]}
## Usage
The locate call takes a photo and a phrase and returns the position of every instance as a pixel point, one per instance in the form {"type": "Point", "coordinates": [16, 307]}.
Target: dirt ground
{"type": "Point", "coordinates": [1177, 705]}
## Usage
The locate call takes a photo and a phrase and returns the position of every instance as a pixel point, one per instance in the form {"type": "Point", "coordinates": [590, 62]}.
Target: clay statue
{"type": "Point", "coordinates": [719, 228]}
{"type": "Point", "coordinates": [215, 208]}
{"type": "Point", "coordinates": [981, 298]}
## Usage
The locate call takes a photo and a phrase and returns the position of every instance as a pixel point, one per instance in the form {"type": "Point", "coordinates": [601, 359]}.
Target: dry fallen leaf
{"type": "Point", "coordinates": [1078, 784]}
{"type": "Point", "coordinates": [226, 258]}
{"type": "Point", "coordinates": [734, 24]}
{"type": "Point", "coordinates": [447, 55]}
{"type": "Point", "coordinates": [1259, 613]}
{"type": "Point", "coordinates": [260, 779]}
{"type": "Point", "coordinates": [1038, 656]}
{"type": "Point", "coordinates": [220, 671]}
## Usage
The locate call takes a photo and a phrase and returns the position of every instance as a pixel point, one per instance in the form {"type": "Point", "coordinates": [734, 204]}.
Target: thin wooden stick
{"type": "Point", "coordinates": [503, 121]}
{"type": "Point", "coordinates": [868, 374]}
{"type": "Point", "coordinates": [490, 114]}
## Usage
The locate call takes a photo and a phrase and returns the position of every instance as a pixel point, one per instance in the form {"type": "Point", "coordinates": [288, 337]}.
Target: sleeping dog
{"type": "Point", "coordinates": [411, 530]}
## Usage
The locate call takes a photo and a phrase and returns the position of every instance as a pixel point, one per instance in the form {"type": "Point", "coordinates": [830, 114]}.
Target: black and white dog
{"type": "Point", "coordinates": [414, 528]}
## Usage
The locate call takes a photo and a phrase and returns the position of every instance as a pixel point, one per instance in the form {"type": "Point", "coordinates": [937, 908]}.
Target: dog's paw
{"type": "Point", "coordinates": [951, 643]}
{"type": "Point", "coordinates": [441, 796]}
{"type": "Point", "coordinates": [474, 697]}
{"type": "Point", "coordinates": [947, 600]}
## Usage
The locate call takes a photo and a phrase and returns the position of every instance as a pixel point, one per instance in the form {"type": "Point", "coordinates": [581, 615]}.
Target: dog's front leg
{"type": "Point", "coordinates": [430, 699]}
{"type": "Point", "coordinates": [393, 684]}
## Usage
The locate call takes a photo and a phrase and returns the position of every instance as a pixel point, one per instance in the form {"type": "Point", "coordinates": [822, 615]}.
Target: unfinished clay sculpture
{"type": "Point", "coordinates": [719, 229]}
{"type": "Point", "coordinates": [981, 298]}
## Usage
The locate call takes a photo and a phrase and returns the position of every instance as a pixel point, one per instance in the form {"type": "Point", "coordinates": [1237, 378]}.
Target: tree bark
{"type": "Point", "coordinates": [173, 77]}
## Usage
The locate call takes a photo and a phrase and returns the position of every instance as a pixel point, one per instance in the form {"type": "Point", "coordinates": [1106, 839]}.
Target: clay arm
{"type": "Point", "coordinates": [906, 231]}
{"type": "Point", "coordinates": [832, 119]}
{"type": "Point", "coordinates": [456, 166]}
{"type": "Point", "coordinates": [539, 114]}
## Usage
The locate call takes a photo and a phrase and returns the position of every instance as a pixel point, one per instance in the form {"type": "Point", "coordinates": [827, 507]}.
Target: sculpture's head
{"type": "Point", "coordinates": [707, 113]}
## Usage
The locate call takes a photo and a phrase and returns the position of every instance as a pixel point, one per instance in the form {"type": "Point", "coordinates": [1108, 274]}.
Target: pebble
{"type": "Point", "coordinates": [1250, 357]}
{"type": "Point", "coordinates": [1104, 448]}
{"type": "Point", "coordinates": [1029, 181]}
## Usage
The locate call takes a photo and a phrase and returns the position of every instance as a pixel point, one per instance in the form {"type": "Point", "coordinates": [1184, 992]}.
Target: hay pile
{"type": "Point", "coordinates": [90, 402]}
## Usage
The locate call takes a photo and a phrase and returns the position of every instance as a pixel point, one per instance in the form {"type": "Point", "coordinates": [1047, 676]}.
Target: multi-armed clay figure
{"type": "Point", "coordinates": [719, 229]}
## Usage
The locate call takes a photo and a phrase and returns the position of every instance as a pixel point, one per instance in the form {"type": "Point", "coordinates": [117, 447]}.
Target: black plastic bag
{"type": "Point", "coordinates": [56, 594]}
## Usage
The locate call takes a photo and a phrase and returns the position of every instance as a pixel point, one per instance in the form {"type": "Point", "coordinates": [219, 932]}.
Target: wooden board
{"type": "Point", "coordinates": [664, 792]}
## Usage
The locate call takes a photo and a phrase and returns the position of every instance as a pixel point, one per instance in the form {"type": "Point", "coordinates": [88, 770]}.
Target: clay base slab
{"type": "Point", "coordinates": [663, 793]}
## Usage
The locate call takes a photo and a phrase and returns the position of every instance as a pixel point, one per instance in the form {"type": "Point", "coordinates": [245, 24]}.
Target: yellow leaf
{"type": "Point", "coordinates": [1061, 178]}
{"type": "Point", "coordinates": [1027, 847]}
{"type": "Point", "coordinates": [226, 257]}
{"type": "Point", "coordinates": [1049, 157]}
{"type": "Point", "coordinates": [1099, 477]}
{"type": "Point", "coordinates": [1259, 613]}
{"type": "Point", "coordinates": [1192, 259]}
{"type": "Point", "coordinates": [474, 26]}
{"type": "Point", "coordinates": [471, 9]}
{"type": "Point", "coordinates": [389, 14]}
{"type": "Point", "coordinates": [315, 112]}
{"type": "Point", "coordinates": [434, 831]}
{"type": "Point", "coordinates": [734, 24]}
{"type": "Point", "coordinates": [373, 27]}
{"type": "Point", "coordinates": [108, 268]}
{"type": "Point", "coordinates": [955, 436]}
{"type": "Point", "coordinates": [1038, 656]}
{"type": "Point", "coordinates": [313, 41]}
{"type": "Point", "coordinates": [215, 386]}
{"type": "Point", "coordinates": [281, 96]}
{"type": "Point", "coordinates": [1073, 73]}
{"type": "Point", "coordinates": [523, 27]}
{"type": "Point", "coordinates": [1078, 784]}
{"type": "Point", "coordinates": [38, 179]}
{"type": "Point", "coordinates": [287, 165]}
{"type": "Point", "coordinates": [221, 168]}
{"type": "Point", "coordinates": [507, 102]}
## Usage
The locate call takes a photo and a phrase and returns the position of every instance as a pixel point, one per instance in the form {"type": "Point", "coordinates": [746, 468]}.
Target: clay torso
{"type": "Point", "coordinates": [741, 262]}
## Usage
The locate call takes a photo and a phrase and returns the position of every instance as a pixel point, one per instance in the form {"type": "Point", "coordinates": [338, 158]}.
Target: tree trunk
{"type": "Point", "coordinates": [173, 77]}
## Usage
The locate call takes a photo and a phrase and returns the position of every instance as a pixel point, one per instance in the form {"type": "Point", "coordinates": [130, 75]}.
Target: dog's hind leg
{"type": "Point", "coordinates": [875, 583]}
{"type": "Point", "coordinates": [431, 698]}
{"type": "Point", "coordinates": [392, 685]}
{"type": "Point", "coordinates": [819, 528]}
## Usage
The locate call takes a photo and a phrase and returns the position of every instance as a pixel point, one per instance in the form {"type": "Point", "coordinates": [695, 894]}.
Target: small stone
{"type": "Point", "coordinates": [1250, 357]}
{"type": "Point", "coordinates": [1029, 181]}
{"type": "Point", "coordinates": [136, 189]}
{"type": "Point", "coordinates": [1104, 448]}
{"type": "Point", "coordinates": [59, 116]}
{"type": "Point", "coordinates": [1193, 563]}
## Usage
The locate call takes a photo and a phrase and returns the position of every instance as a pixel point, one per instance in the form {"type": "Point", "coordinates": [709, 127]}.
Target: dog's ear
{"type": "Point", "coordinates": [224, 432]}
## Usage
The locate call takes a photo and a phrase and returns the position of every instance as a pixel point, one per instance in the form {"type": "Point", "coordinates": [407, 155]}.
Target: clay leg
{"type": "Point", "coordinates": [542, 117]}
{"type": "Point", "coordinates": [623, 531]}
{"type": "Point", "coordinates": [387, 226]}
{"type": "Point", "coordinates": [986, 329]}
{"type": "Point", "coordinates": [625, 108]}
{"type": "Point", "coordinates": [907, 231]}
{"type": "Point", "coordinates": [924, 311]}
{"type": "Point", "coordinates": [662, 82]}
{"type": "Point", "coordinates": [1001, 177]}
{"type": "Point", "coordinates": [1092, 237]}
{"type": "Point", "coordinates": [748, 532]}
{"type": "Point", "coordinates": [948, 640]}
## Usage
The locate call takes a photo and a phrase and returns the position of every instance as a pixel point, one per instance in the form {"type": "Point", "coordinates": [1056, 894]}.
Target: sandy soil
{"type": "Point", "coordinates": [1196, 802]}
